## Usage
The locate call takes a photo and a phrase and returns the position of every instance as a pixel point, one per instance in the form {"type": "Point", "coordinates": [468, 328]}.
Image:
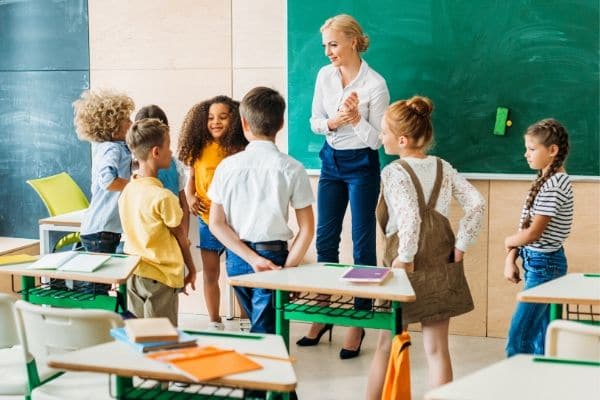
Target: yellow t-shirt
{"type": "Point", "coordinates": [147, 212]}
{"type": "Point", "coordinates": [204, 170]}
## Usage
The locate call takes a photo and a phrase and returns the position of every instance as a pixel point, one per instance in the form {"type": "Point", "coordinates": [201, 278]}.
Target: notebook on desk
{"type": "Point", "coordinates": [375, 275]}
{"type": "Point", "coordinates": [71, 261]}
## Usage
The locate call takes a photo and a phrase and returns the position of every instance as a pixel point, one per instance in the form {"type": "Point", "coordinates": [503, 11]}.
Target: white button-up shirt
{"type": "Point", "coordinates": [256, 187]}
{"type": "Point", "coordinates": [329, 96]}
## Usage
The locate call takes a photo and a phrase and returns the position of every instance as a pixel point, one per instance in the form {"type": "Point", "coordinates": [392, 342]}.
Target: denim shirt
{"type": "Point", "coordinates": [110, 160]}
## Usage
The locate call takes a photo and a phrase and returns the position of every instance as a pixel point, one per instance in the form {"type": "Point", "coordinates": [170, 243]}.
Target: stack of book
{"type": "Point", "coordinates": [362, 274]}
{"type": "Point", "coordinates": [151, 334]}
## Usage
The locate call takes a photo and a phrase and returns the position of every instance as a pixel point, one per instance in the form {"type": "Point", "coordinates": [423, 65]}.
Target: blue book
{"type": "Point", "coordinates": [185, 340]}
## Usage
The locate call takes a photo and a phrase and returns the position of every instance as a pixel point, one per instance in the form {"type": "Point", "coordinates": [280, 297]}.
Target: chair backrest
{"type": "Point", "coordinates": [571, 339]}
{"type": "Point", "coordinates": [8, 327]}
{"type": "Point", "coordinates": [46, 331]}
{"type": "Point", "coordinates": [60, 193]}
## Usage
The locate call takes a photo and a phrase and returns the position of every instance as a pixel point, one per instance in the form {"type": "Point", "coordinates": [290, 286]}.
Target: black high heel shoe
{"type": "Point", "coordinates": [345, 354]}
{"type": "Point", "coordinates": [306, 341]}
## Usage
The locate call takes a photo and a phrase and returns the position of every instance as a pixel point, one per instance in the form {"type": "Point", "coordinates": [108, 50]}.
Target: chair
{"type": "Point", "coordinates": [571, 339]}
{"type": "Point", "coordinates": [45, 331]}
{"type": "Point", "coordinates": [60, 194]}
{"type": "Point", "coordinates": [13, 379]}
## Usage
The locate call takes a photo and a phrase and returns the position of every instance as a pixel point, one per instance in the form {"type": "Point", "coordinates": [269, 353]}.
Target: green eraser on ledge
{"type": "Point", "coordinates": [501, 119]}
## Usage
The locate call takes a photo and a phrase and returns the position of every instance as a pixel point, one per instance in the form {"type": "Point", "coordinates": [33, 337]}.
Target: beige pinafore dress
{"type": "Point", "coordinates": [439, 283]}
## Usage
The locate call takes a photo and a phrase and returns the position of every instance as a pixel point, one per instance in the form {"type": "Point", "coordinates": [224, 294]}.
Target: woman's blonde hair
{"type": "Point", "coordinates": [348, 26]}
{"type": "Point", "coordinates": [412, 118]}
{"type": "Point", "coordinates": [100, 113]}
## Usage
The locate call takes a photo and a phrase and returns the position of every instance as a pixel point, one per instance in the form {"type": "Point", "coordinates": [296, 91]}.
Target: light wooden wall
{"type": "Point", "coordinates": [179, 52]}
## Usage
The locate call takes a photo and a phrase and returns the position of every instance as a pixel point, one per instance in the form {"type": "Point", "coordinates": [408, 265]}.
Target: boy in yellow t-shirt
{"type": "Point", "coordinates": [151, 219]}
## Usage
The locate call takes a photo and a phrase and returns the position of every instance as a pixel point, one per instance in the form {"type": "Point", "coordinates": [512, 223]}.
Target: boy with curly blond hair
{"type": "Point", "coordinates": [102, 117]}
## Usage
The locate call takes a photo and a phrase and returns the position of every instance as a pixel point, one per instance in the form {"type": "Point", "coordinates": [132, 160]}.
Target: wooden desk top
{"type": "Point", "coordinates": [520, 378]}
{"type": "Point", "coordinates": [568, 289]}
{"type": "Point", "coordinates": [69, 219]}
{"type": "Point", "coordinates": [115, 270]}
{"type": "Point", "coordinates": [11, 245]}
{"type": "Point", "coordinates": [318, 278]}
{"type": "Point", "coordinates": [120, 359]}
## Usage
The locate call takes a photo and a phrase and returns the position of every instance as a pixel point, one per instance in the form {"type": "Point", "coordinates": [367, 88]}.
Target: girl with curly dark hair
{"type": "Point", "coordinates": [211, 131]}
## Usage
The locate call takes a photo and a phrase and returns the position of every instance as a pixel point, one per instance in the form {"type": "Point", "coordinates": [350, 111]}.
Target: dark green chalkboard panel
{"type": "Point", "coordinates": [44, 35]}
{"type": "Point", "coordinates": [44, 67]}
{"type": "Point", "coordinates": [37, 139]}
{"type": "Point", "coordinates": [538, 58]}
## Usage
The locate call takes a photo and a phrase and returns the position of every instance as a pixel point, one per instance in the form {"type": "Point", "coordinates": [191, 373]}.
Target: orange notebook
{"type": "Point", "coordinates": [206, 363]}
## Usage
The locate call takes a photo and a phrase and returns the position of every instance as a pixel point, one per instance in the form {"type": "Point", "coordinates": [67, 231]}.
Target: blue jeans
{"type": "Point", "coordinates": [527, 332]}
{"type": "Point", "coordinates": [256, 302]}
{"type": "Point", "coordinates": [101, 242]}
{"type": "Point", "coordinates": [208, 241]}
{"type": "Point", "coordinates": [348, 176]}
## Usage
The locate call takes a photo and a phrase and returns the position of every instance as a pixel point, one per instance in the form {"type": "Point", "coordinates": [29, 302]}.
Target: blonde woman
{"type": "Point", "coordinates": [349, 101]}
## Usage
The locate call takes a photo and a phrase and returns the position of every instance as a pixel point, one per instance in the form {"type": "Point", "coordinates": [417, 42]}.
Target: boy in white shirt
{"type": "Point", "coordinates": [251, 193]}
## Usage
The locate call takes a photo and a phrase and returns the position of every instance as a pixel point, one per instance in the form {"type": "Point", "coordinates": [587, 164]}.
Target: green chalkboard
{"type": "Point", "coordinates": [44, 67]}
{"type": "Point", "coordinates": [538, 58]}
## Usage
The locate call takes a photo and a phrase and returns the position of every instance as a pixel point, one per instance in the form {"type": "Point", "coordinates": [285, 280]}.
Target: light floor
{"type": "Point", "coordinates": [323, 376]}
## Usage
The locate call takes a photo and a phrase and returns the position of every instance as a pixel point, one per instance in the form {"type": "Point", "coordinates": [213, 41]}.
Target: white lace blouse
{"type": "Point", "coordinates": [403, 207]}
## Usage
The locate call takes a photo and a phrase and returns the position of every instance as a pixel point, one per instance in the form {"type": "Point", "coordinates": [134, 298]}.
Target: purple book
{"type": "Point", "coordinates": [366, 274]}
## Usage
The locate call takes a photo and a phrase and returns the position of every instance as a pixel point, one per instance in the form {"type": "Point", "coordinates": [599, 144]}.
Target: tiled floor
{"type": "Point", "coordinates": [322, 375]}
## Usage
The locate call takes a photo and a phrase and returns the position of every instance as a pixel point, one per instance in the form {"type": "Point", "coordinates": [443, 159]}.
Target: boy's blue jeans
{"type": "Point", "coordinates": [100, 242]}
{"type": "Point", "coordinates": [348, 176]}
{"type": "Point", "coordinates": [257, 303]}
{"type": "Point", "coordinates": [527, 332]}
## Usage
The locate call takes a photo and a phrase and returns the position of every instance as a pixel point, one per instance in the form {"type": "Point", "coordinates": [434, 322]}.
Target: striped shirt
{"type": "Point", "coordinates": [555, 200]}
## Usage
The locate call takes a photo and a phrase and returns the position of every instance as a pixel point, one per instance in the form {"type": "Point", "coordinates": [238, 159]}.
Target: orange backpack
{"type": "Point", "coordinates": [397, 378]}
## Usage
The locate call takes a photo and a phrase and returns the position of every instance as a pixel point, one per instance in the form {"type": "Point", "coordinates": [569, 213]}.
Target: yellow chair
{"type": "Point", "coordinates": [60, 194]}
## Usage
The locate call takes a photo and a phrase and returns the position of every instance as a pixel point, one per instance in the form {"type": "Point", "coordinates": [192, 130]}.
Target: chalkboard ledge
{"type": "Point", "coordinates": [498, 177]}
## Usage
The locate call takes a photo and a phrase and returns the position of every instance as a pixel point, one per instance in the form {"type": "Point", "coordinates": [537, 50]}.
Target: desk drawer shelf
{"type": "Point", "coordinates": [57, 295]}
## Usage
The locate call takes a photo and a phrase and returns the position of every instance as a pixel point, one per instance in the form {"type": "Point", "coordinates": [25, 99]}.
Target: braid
{"type": "Point", "coordinates": [548, 131]}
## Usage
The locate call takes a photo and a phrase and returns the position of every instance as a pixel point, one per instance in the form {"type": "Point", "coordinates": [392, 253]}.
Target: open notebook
{"type": "Point", "coordinates": [71, 261]}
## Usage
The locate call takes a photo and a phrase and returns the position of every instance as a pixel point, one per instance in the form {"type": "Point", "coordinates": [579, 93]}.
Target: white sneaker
{"type": "Point", "coordinates": [215, 326]}
{"type": "Point", "coordinates": [245, 325]}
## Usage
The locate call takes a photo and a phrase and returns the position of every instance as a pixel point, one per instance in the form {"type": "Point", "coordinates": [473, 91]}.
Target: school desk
{"type": "Point", "coordinates": [324, 278]}
{"type": "Point", "coordinates": [578, 289]}
{"type": "Point", "coordinates": [114, 271]}
{"type": "Point", "coordinates": [120, 359]}
{"type": "Point", "coordinates": [69, 222]}
{"type": "Point", "coordinates": [522, 378]}
{"type": "Point", "coordinates": [10, 246]}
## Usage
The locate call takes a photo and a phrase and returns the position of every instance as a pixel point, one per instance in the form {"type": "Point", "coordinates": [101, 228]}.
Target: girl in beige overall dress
{"type": "Point", "coordinates": [412, 211]}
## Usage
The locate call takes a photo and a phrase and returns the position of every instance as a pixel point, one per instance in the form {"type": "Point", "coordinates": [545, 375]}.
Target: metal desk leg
{"type": "Point", "coordinates": [282, 326]}
{"type": "Point", "coordinates": [122, 293]}
{"type": "Point", "coordinates": [27, 283]}
{"type": "Point", "coordinates": [123, 386]}
{"type": "Point", "coordinates": [230, 301]}
{"type": "Point", "coordinates": [44, 239]}
{"type": "Point", "coordinates": [555, 311]}
{"type": "Point", "coordinates": [396, 323]}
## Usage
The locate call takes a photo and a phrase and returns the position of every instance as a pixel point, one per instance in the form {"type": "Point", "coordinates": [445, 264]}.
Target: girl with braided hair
{"type": "Point", "coordinates": [545, 223]}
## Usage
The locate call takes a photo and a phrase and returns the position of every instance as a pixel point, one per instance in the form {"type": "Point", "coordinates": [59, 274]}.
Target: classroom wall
{"type": "Point", "coordinates": [180, 52]}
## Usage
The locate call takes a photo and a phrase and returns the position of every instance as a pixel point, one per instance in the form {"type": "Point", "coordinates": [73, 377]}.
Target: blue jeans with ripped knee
{"type": "Point", "coordinates": [527, 332]}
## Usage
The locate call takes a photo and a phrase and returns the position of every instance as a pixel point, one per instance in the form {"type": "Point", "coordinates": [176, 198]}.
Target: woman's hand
{"type": "Point", "coordinates": [408, 267]}
{"type": "Point", "coordinates": [347, 114]}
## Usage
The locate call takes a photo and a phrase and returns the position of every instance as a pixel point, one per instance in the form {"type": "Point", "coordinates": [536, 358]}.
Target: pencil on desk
{"type": "Point", "coordinates": [288, 359]}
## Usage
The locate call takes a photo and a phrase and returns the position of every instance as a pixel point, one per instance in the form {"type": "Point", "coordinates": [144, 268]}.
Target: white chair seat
{"type": "Point", "coordinates": [75, 386]}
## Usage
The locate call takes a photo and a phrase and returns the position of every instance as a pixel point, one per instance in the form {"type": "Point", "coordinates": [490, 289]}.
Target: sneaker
{"type": "Point", "coordinates": [245, 325]}
{"type": "Point", "coordinates": [215, 326]}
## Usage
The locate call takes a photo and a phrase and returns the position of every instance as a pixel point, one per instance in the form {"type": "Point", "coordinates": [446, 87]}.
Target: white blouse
{"type": "Point", "coordinates": [373, 96]}
{"type": "Point", "coordinates": [403, 206]}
